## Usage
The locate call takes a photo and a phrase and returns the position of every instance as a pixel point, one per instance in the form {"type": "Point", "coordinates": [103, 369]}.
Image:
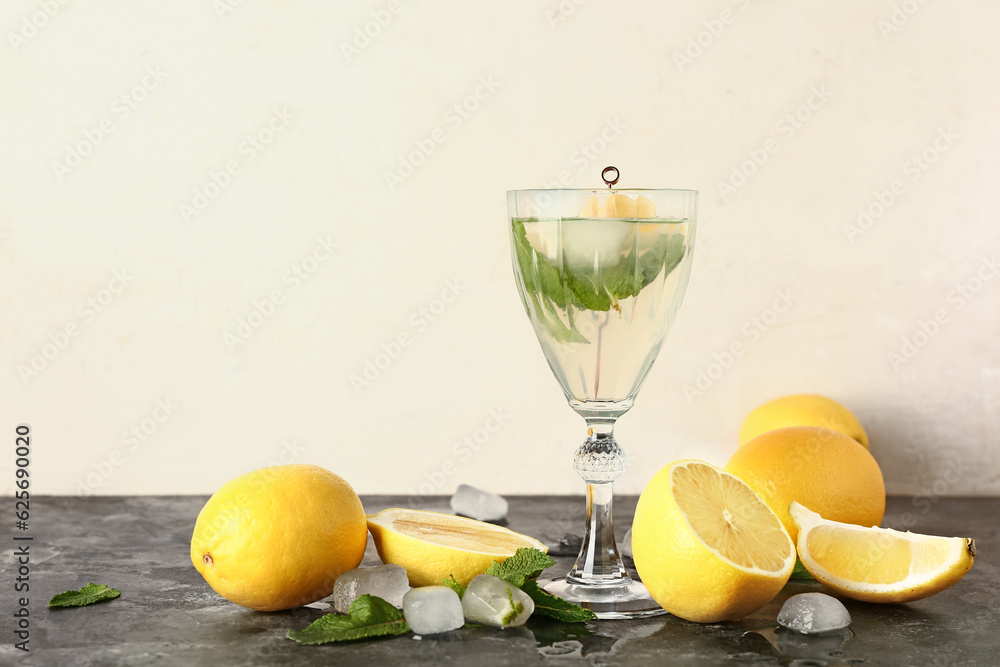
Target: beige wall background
{"type": "Point", "coordinates": [240, 233]}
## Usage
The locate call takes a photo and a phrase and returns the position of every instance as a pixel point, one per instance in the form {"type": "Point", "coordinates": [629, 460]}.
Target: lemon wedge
{"type": "Point", "coordinates": [617, 206]}
{"type": "Point", "coordinates": [879, 564]}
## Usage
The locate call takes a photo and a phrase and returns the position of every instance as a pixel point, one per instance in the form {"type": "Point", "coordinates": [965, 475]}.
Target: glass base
{"type": "Point", "coordinates": [625, 600]}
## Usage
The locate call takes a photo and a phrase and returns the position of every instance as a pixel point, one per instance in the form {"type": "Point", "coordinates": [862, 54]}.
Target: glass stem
{"type": "Point", "coordinates": [599, 460]}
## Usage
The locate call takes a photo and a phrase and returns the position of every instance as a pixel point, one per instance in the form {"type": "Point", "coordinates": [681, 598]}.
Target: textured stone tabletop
{"type": "Point", "coordinates": [168, 615]}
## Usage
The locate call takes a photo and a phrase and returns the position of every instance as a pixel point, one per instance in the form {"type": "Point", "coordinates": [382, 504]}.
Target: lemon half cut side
{"type": "Point", "coordinates": [432, 546]}
{"type": "Point", "coordinates": [706, 546]}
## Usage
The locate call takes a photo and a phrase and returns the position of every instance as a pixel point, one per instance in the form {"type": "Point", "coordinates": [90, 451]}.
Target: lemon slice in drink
{"type": "Point", "coordinates": [706, 546]}
{"type": "Point", "coordinates": [879, 564]}
{"type": "Point", "coordinates": [433, 546]}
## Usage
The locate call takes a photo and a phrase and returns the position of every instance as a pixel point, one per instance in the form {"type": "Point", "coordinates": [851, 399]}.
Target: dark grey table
{"type": "Point", "coordinates": [167, 615]}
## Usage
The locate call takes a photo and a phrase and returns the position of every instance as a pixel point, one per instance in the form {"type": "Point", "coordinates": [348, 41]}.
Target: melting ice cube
{"type": "Point", "coordinates": [813, 613]}
{"type": "Point", "coordinates": [492, 601]}
{"type": "Point", "coordinates": [388, 582]}
{"type": "Point", "coordinates": [432, 609]}
{"type": "Point", "coordinates": [478, 504]}
{"type": "Point", "coordinates": [592, 245]}
{"type": "Point", "coordinates": [626, 545]}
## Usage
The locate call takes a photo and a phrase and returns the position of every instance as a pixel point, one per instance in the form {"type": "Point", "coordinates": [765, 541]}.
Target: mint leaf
{"type": "Point", "coordinates": [525, 564]}
{"type": "Point", "coordinates": [521, 570]}
{"type": "Point", "coordinates": [453, 584]}
{"type": "Point", "coordinates": [590, 295]}
{"type": "Point", "coordinates": [549, 605]}
{"type": "Point", "coordinates": [89, 594]}
{"type": "Point", "coordinates": [369, 616]}
{"type": "Point", "coordinates": [559, 290]}
{"type": "Point", "coordinates": [550, 320]}
{"type": "Point", "coordinates": [538, 273]}
{"type": "Point", "coordinates": [800, 571]}
{"type": "Point", "coordinates": [629, 276]}
{"type": "Point", "coordinates": [544, 285]}
{"type": "Point", "coordinates": [515, 610]}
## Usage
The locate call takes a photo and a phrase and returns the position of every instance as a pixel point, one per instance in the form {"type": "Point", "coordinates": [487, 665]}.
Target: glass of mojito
{"type": "Point", "coordinates": [601, 275]}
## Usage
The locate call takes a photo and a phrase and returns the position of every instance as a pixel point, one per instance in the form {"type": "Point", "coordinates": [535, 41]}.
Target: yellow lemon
{"type": "Point", "coordinates": [706, 547]}
{"type": "Point", "coordinates": [279, 537]}
{"type": "Point", "coordinates": [644, 207]}
{"type": "Point", "coordinates": [817, 467]}
{"type": "Point", "coordinates": [802, 410]}
{"type": "Point", "coordinates": [617, 206]}
{"type": "Point", "coordinates": [433, 546]}
{"type": "Point", "coordinates": [590, 208]}
{"type": "Point", "coordinates": [879, 564]}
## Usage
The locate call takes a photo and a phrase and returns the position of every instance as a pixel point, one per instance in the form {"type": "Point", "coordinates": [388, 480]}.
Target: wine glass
{"type": "Point", "coordinates": [601, 275]}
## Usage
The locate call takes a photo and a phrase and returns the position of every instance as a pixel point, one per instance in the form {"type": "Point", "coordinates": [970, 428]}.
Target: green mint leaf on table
{"type": "Point", "coordinates": [800, 571]}
{"type": "Point", "coordinates": [369, 616]}
{"type": "Point", "coordinates": [525, 564]}
{"type": "Point", "coordinates": [453, 584]}
{"type": "Point", "coordinates": [89, 594]}
{"type": "Point", "coordinates": [549, 605]}
{"type": "Point", "coordinates": [521, 570]}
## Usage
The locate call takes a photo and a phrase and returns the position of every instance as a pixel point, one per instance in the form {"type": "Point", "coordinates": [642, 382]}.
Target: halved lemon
{"type": "Point", "coordinates": [879, 564]}
{"type": "Point", "coordinates": [432, 546]}
{"type": "Point", "coordinates": [706, 546]}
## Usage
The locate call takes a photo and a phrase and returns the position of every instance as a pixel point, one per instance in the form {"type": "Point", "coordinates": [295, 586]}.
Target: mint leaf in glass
{"type": "Point", "coordinates": [89, 594]}
{"type": "Point", "coordinates": [631, 275]}
{"type": "Point", "coordinates": [368, 616]}
{"type": "Point", "coordinates": [552, 288]}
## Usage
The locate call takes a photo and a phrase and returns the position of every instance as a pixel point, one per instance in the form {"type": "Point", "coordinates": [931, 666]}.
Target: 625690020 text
{"type": "Point", "coordinates": [21, 567]}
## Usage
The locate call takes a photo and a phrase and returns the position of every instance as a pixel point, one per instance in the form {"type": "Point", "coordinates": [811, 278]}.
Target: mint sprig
{"type": "Point", "coordinates": [368, 616]}
{"type": "Point", "coordinates": [523, 565]}
{"type": "Point", "coordinates": [522, 569]}
{"type": "Point", "coordinates": [553, 290]}
{"type": "Point", "coordinates": [547, 604]}
{"type": "Point", "coordinates": [89, 594]}
{"type": "Point", "coordinates": [453, 584]}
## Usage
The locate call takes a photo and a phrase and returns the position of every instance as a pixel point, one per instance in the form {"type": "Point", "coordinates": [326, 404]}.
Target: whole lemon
{"type": "Point", "coordinates": [278, 538]}
{"type": "Point", "coordinates": [824, 470]}
{"type": "Point", "coordinates": [802, 410]}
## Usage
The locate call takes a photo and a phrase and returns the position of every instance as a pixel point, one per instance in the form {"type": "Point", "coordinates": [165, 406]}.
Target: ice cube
{"type": "Point", "coordinates": [492, 601]}
{"type": "Point", "coordinates": [595, 245]}
{"type": "Point", "coordinates": [626, 546]}
{"type": "Point", "coordinates": [478, 504]}
{"type": "Point", "coordinates": [388, 582]}
{"type": "Point", "coordinates": [432, 609]}
{"type": "Point", "coordinates": [813, 614]}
